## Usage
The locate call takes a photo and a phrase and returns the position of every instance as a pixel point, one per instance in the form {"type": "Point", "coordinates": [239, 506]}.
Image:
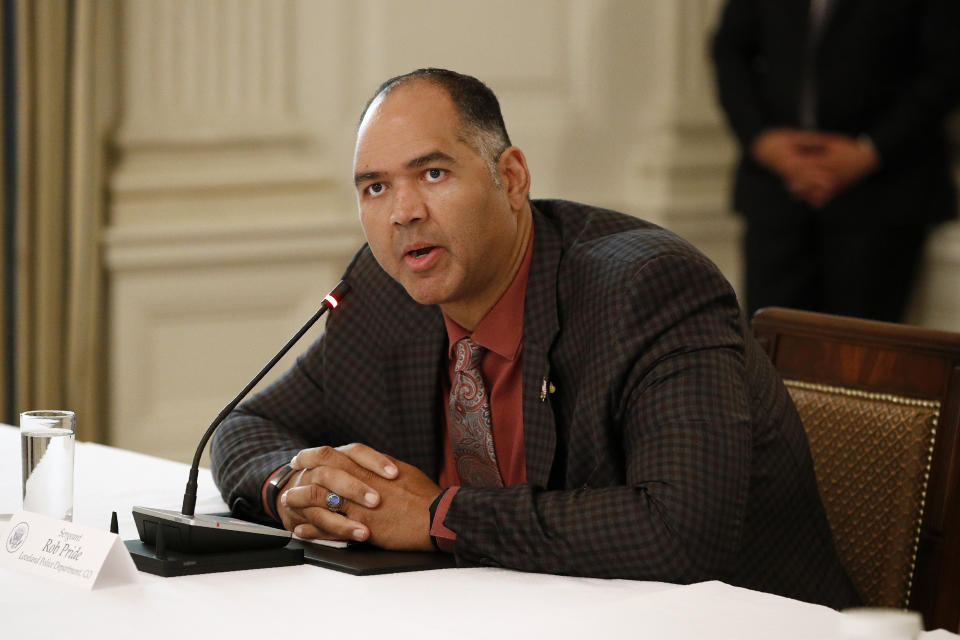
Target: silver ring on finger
{"type": "Point", "coordinates": [334, 502]}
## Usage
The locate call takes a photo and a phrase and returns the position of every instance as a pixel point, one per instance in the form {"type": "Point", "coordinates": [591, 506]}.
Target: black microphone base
{"type": "Point", "coordinates": [179, 563]}
{"type": "Point", "coordinates": [211, 533]}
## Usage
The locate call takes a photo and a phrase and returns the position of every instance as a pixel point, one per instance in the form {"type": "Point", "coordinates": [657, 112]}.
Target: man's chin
{"type": "Point", "coordinates": [425, 295]}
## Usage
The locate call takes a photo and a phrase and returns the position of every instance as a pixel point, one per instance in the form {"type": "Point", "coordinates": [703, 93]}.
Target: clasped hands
{"type": "Point", "coordinates": [386, 502]}
{"type": "Point", "coordinates": [815, 166]}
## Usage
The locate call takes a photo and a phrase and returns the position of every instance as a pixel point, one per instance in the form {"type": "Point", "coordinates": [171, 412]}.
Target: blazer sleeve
{"type": "Point", "coordinates": [684, 426]}
{"type": "Point", "coordinates": [735, 49]}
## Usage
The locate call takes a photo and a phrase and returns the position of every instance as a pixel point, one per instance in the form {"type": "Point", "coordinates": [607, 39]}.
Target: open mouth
{"type": "Point", "coordinates": [419, 253]}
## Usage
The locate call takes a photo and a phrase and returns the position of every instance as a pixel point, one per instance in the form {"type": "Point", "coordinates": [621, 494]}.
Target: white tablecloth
{"type": "Point", "coordinates": [308, 601]}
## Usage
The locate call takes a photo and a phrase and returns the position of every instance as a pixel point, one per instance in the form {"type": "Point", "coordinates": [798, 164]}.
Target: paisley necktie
{"type": "Point", "coordinates": [471, 433]}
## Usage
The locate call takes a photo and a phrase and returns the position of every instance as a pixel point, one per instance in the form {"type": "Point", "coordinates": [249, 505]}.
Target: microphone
{"type": "Point", "coordinates": [188, 533]}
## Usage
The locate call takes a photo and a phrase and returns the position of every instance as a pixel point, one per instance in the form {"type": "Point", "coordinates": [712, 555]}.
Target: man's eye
{"type": "Point", "coordinates": [434, 175]}
{"type": "Point", "coordinates": [375, 189]}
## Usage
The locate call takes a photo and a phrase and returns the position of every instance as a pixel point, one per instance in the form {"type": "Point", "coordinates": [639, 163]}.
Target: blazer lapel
{"type": "Point", "coordinates": [540, 327]}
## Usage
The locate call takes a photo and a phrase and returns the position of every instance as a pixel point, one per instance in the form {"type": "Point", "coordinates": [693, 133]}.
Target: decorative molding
{"type": "Point", "coordinates": [153, 175]}
{"type": "Point", "coordinates": [682, 163]}
{"type": "Point", "coordinates": [680, 179]}
{"type": "Point", "coordinates": [696, 97]}
{"type": "Point", "coordinates": [188, 189]}
{"type": "Point", "coordinates": [220, 71]}
{"type": "Point", "coordinates": [143, 248]}
{"type": "Point", "coordinates": [140, 249]}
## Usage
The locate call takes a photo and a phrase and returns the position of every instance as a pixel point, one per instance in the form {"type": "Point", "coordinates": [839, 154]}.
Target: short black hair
{"type": "Point", "coordinates": [475, 102]}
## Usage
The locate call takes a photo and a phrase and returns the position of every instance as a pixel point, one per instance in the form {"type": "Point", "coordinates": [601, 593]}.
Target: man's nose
{"type": "Point", "coordinates": [408, 205]}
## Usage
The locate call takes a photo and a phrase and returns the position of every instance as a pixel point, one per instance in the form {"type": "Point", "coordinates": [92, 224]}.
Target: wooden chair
{"type": "Point", "coordinates": [881, 406]}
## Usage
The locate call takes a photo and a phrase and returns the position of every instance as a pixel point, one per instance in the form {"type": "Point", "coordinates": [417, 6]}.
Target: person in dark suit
{"type": "Point", "coordinates": [839, 109]}
{"type": "Point", "coordinates": [632, 427]}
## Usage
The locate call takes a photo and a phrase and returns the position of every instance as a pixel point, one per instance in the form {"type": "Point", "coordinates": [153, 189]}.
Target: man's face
{"type": "Point", "coordinates": [436, 220]}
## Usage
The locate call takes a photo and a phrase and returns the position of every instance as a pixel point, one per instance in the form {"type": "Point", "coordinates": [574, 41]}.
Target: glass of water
{"type": "Point", "coordinates": [46, 454]}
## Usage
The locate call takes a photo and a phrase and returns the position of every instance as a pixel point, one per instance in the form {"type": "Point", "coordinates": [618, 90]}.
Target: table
{"type": "Point", "coordinates": [311, 601]}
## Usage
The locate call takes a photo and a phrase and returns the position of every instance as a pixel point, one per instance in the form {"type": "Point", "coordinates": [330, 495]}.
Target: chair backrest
{"type": "Point", "coordinates": [880, 403]}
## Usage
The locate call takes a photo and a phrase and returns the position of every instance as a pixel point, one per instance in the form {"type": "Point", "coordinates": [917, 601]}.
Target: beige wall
{"type": "Point", "coordinates": [231, 208]}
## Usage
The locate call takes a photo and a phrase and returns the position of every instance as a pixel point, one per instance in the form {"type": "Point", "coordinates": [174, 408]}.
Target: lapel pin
{"type": "Point", "coordinates": [546, 387]}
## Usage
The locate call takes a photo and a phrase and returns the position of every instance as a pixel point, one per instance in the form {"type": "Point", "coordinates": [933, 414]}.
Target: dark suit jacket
{"type": "Point", "coordinates": [888, 69]}
{"type": "Point", "coordinates": [670, 450]}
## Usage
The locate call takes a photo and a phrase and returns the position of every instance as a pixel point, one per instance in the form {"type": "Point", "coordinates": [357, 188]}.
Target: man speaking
{"type": "Point", "coordinates": [539, 385]}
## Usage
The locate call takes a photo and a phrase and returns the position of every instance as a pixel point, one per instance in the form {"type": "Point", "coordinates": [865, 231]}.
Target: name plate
{"type": "Point", "coordinates": [66, 552]}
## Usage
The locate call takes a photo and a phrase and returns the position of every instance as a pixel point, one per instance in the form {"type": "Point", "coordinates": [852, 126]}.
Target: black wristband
{"type": "Point", "coordinates": [273, 490]}
{"type": "Point", "coordinates": [434, 505]}
{"type": "Point", "coordinates": [433, 514]}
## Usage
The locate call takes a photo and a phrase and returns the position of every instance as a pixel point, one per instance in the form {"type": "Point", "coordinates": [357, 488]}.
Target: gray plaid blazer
{"type": "Point", "coordinates": [669, 450]}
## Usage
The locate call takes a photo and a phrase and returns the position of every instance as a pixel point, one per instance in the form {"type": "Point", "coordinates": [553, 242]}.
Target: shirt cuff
{"type": "Point", "coordinates": [443, 537]}
{"type": "Point", "coordinates": [270, 509]}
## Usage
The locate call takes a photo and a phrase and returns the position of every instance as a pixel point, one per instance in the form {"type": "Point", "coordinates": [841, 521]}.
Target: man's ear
{"type": "Point", "coordinates": [515, 177]}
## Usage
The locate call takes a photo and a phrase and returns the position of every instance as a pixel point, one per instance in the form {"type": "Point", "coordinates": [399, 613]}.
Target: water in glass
{"type": "Point", "coordinates": [48, 472]}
